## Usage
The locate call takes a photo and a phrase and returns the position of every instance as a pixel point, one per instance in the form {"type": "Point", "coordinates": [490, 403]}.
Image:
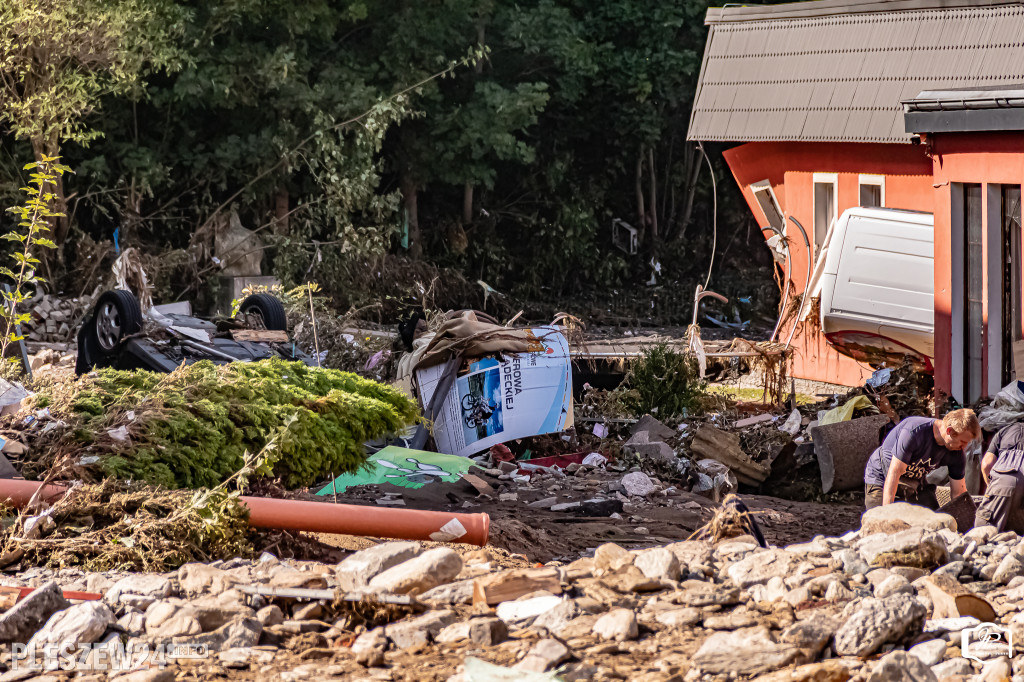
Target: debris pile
{"type": "Point", "coordinates": [202, 423]}
{"type": "Point", "coordinates": [902, 596]}
{"type": "Point", "coordinates": [54, 319]}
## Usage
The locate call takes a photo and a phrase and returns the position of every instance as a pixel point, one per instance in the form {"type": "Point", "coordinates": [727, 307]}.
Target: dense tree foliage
{"type": "Point", "coordinates": [501, 138]}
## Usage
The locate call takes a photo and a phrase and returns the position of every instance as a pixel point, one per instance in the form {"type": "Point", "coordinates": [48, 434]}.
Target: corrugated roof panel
{"type": "Point", "coordinates": [825, 76]}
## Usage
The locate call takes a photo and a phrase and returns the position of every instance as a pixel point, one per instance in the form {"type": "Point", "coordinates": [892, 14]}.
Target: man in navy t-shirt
{"type": "Point", "coordinates": [917, 446]}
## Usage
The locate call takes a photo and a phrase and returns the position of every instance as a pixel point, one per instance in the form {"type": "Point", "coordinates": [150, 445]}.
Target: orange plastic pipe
{"type": "Point", "coordinates": [320, 517]}
{"type": "Point", "coordinates": [353, 519]}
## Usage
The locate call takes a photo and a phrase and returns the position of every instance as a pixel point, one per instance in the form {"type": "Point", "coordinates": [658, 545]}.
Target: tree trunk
{"type": "Point", "coordinates": [409, 196]}
{"type": "Point", "coordinates": [478, 68]}
{"type": "Point", "coordinates": [692, 168]}
{"type": "Point", "coordinates": [281, 205]}
{"type": "Point", "coordinates": [641, 216]}
{"type": "Point", "coordinates": [653, 203]}
{"type": "Point", "coordinates": [467, 204]}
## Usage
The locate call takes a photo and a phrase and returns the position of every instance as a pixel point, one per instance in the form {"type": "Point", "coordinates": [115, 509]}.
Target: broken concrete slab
{"type": "Point", "coordinates": [843, 450]}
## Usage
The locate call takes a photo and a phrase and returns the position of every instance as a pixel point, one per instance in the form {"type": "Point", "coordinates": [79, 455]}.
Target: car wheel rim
{"type": "Point", "coordinates": [108, 326]}
{"type": "Point", "coordinates": [256, 317]}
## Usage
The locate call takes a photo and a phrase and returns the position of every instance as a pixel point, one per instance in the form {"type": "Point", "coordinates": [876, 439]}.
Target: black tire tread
{"type": "Point", "coordinates": [270, 308]}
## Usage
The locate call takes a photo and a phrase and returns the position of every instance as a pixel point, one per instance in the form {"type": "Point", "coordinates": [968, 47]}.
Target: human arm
{"type": "Point", "coordinates": [892, 480]}
{"type": "Point", "coordinates": [987, 463]}
{"type": "Point", "coordinates": [957, 487]}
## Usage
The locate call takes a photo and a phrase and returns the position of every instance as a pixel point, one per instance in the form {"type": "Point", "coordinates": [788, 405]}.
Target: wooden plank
{"type": "Point", "coordinates": [724, 447]}
{"type": "Point", "coordinates": [950, 599]}
{"type": "Point", "coordinates": [260, 335]}
{"type": "Point", "coordinates": [509, 585]}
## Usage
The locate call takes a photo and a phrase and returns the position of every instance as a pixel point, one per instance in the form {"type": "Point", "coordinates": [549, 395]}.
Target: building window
{"type": "Point", "coordinates": [872, 191]}
{"type": "Point", "coordinates": [825, 209]}
{"type": "Point", "coordinates": [974, 284]}
{"type": "Point", "coordinates": [769, 204]}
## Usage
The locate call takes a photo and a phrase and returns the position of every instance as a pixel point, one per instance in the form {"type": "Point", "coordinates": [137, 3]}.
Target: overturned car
{"type": "Point", "coordinates": [117, 334]}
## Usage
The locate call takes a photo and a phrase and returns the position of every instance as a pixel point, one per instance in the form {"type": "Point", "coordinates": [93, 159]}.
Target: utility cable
{"type": "Point", "coordinates": [714, 213]}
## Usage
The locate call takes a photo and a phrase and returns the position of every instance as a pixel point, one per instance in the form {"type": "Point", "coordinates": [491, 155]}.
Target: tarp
{"type": "Point", "coordinates": [495, 400]}
{"type": "Point", "coordinates": [403, 467]}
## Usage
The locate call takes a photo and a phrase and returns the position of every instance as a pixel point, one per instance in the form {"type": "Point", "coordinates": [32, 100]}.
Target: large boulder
{"type": "Point", "coordinates": [746, 652]}
{"type": "Point", "coordinates": [900, 516]}
{"type": "Point", "coordinates": [83, 623]}
{"type": "Point", "coordinates": [916, 547]}
{"type": "Point", "coordinates": [19, 622]}
{"type": "Point", "coordinates": [870, 623]}
{"type": "Point", "coordinates": [417, 575]}
{"type": "Point", "coordinates": [762, 566]}
{"type": "Point", "coordinates": [900, 666]}
{"type": "Point", "coordinates": [357, 570]}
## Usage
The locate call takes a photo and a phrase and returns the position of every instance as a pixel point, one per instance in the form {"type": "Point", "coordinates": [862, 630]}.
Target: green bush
{"type": "Point", "coordinates": [193, 427]}
{"type": "Point", "coordinates": [664, 383]}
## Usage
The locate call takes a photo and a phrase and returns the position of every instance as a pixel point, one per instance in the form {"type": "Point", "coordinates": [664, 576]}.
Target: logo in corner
{"type": "Point", "coordinates": [986, 641]}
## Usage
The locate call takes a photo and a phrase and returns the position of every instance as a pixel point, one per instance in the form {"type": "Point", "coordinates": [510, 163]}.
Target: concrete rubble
{"type": "Point", "coordinates": [857, 607]}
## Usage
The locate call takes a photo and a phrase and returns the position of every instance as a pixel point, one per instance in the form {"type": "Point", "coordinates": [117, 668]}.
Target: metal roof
{"type": "Point", "coordinates": [966, 110]}
{"type": "Point", "coordinates": [839, 70]}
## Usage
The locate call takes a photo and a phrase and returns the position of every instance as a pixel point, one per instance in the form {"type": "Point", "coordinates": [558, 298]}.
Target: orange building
{"type": "Point", "coordinates": [813, 95]}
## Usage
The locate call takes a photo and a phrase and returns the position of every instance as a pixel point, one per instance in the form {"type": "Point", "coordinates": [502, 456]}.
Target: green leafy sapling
{"type": "Point", "coordinates": [34, 219]}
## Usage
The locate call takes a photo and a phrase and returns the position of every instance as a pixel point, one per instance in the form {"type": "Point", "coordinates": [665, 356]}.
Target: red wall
{"type": "Point", "coordinates": [790, 168]}
{"type": "Point", "coordinates": [996, 158]}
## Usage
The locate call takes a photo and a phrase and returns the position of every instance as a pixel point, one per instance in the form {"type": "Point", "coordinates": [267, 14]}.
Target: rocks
{"type": "Point", "coordinates": [357, 570]}
{"type": "Point", "coordinates": [746, 652]}
{"type": "Point", "coordinates": [900, 516]}
{"type": "Point", "coordinates": [679, 618]}
{"type": "Point", "coordinates": [811, 633]}
{"type": "Point", "coordinates": [1009, 568]}
{"type": "Point", "coordinates": [458, 592]}
{"type": "Point", "coordinates": [82, 623]}
{"type": "Point", "coordinates": [415, 576]}
{"type": "Point", "coordinates": [951, 668]}
{"type": "Point", "coordinates": [826, 671]}
{"type": "Point", "coordinates": [900, 666]}
{"type": "Point", "coordinates": [555, 619]}
{"type": "Point", "coordinates": [21, 621]}
{"type": "Point", "coordinates": [762, 566]}
{"type": "Point", "coordinates": [196, 579]}
{"type": "Point", "coordinates": [421, 630]}
{"type": "Point", "coordinates": [638, 484]}
{"type": "Point", "coordinates": [915, 547]}
{"type": "Point", "coordinates": [610, 557]}
{"type": "Point", "coordinates": [370, 646]}
{"type": "Point", "coordinates": [981, 534]}
{"type": "Point", "coordinates": [658, 563]}
{"type": "Point", "coordinates": [139, 590]}
{"type": "Point", "coordinates": [544, 655]}
{"type": "Point", "coordinates": [930, 652]}
{"type": "Point", "coordinates": [479, 631]}
{"type": "Point", "coordinates": [869, 624]}
{"type": "Point", "coordinates": [618, 624]}
{"type": "Point", "coordinates": [892, 585]}
{"type": "Point", "coordinates": [166, 620]}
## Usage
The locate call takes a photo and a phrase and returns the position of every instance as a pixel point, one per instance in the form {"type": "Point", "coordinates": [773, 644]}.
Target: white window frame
{"type": "Point", "coordinates": [824, 179]}
{"type": "Point", "coordinates": [765, 185]}
{"type": "Point", "coordinates": [877, 180]}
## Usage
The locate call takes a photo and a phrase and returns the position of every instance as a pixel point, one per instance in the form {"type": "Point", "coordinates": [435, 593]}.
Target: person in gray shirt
{"type": "Point", "coordinates": [1003, 471]}
{"type": "Point", "coordinates": [916, 447]}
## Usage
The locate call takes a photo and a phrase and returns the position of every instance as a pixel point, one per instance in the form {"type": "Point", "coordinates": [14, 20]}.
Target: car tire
{"type": "Point", "coordinates": [267, 308]}
{"type": "Point", "coordinates": [117, 314]}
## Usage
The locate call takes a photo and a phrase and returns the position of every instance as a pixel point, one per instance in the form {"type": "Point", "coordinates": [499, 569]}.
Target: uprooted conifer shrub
{"type": "Point", "coordinates": [193, 427]}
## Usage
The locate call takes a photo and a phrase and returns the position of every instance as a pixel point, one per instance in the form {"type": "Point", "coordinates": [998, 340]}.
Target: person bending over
{"type": "Point", "coordinates": [916, 447]}
{"type": "Point", "coordinates": [1003, 471]}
